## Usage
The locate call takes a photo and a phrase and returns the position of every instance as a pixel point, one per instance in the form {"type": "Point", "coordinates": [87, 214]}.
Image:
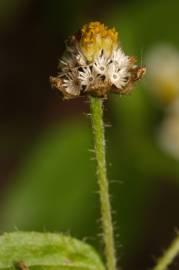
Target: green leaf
{"type": "Point", "coordinates": [46, 251]}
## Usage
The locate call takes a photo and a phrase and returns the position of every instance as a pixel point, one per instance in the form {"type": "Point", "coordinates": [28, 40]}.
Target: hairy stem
{"type": "Point", "coordinates": [169, 255]}
{"type": "Point", "coordinates": [106, 217]}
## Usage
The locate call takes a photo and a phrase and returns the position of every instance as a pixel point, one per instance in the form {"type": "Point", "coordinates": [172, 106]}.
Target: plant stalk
{"type": "Point", "coordinates": [169, 255]}
{"type": "Point", "coordinates": [106, 216]}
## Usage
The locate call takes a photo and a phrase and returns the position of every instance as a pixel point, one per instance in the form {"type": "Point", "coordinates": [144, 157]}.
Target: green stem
{"type": "Point", "coordinates": [168, 256]}
{"type": "Point", "coordinates": [106, 217]}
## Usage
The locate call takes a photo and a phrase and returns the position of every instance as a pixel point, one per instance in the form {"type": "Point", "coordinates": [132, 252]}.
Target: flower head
{"type": "Point", "coordinates": [95, 64]}
{"type": "Point", "coordinates": [169, 131]}
{"type": "Point", "coordinates": [163, 80]}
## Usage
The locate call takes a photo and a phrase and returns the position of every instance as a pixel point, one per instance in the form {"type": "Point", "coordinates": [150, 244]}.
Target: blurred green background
{"type": "Point", "coordinates": [47, 174]}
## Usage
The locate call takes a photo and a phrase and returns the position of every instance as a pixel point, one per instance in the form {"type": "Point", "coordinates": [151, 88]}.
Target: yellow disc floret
{"type": "Point", "coordinates": [94, 37]}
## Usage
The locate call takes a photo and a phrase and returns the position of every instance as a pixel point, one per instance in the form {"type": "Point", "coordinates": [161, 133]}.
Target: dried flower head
{"type": "Point", "coordinates": [94, 64]}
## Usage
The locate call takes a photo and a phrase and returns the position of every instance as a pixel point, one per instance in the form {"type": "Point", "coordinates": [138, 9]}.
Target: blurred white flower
{"type": "Point", "coordinates": [169, 131]}
{"type": "Point", "coordinates": [163, 72]}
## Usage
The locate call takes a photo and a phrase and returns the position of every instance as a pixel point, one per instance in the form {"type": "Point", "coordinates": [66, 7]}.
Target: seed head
{"type": "Point", "coordinates": [94, 64]}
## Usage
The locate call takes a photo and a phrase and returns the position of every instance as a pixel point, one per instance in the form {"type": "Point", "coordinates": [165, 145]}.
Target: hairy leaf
{"type": "Point", "coordinates": [33, 250]}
